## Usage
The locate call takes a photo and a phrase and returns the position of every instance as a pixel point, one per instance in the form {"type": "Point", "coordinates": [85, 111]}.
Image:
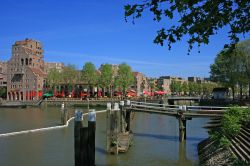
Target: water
{"type": "Point", "coordinates": [155, 142]}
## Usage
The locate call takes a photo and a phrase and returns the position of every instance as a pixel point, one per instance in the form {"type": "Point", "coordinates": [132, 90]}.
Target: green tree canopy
{"type": "Point", "coordinates": [185, 87]}
{"type": "Point", "coordinates": [197, 20]}
{"type": "Point", "coordinates": [70, 74]}
{"type": "Point", "coordinates": [89, 74]}
{"type": "Point", "coordinates": [54, 77]}
{"type": "Point", "coordinates": [106, 78]}
{"type": "Point", "coordinates": [125, 77]}
{"type": "Point", "coordinates": [175, 86]}
{"type": "Point", "coordinates": [231, 68]}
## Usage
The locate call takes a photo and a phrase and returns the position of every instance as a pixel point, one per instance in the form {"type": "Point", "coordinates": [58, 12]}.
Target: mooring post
{"type": "Point", "coordinates": [77, 137]}
{"type": "Point", "coordinates": [63, 114]}
{"type": "Point", "coordinates": [84, 146]}
{"type": "Point", "coordinates": [116, 128]}
{"type": "Point", "coordinates": [91, 136]}
{"type": "Point", "coordinates": [122, 112]}
{"type": "Point", "coordinates": [182, 123]}
{"type": "Point", "coordinates": [128, 112]}
{"type": "Point", "coordinates": [108, 141]}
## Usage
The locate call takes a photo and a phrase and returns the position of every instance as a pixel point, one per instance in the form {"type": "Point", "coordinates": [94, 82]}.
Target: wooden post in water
{"type": "Point", "coordinates": [91, 137]}
{"type": "Point", "coordinates": [116, 128]}
{"type": "Point", "coordinates": [108, 128]}
{"type": "Point", "coordinates": [84, 146]}
{"type": "Point", "coordinates": [122, 117]}
{"type": "Point", "coordinates": [128, 112]}
{"type": "Point", "coordinates": [64, 114]}
{"type": "Point", "coordinates": [182, 123]}
{"type": "Point", "coordinates": [77, 137]}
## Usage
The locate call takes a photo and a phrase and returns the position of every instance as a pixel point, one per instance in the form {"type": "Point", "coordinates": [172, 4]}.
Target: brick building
{"type": "Point", "coordinates": [141, 84]}
{"type": "Point", "coordinates": [164, 82]}
{"type": "Point", "coordinates": [25, 71]}
{"type": "Point", "coordinates": [3, 74]}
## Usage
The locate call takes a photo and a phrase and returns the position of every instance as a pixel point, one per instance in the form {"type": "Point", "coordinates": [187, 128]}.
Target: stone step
{"type": "Point", "coordinates": [241, 152]}
{"type": "Point", "coordinates": [243, 147]}
{"type": "Point", "coordinates": [245, 132]}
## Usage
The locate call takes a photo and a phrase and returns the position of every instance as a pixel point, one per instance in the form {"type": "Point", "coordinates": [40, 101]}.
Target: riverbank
{"type": "Point", "coordinates": [212, 155]}
{"type": "Point", "coordinates": [228, 144]}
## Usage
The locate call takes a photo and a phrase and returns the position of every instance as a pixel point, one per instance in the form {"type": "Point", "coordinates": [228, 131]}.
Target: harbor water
{"type": "Point", "coordinates": [155, 142]}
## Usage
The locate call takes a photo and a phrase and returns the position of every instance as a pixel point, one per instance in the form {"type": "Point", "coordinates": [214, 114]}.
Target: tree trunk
{"type": "Point", "coordinates": [103, 92]}
{"type": "Point", "coordinates": [249, 90]}
{"type": "Point", "coordinates": [233, 91]}
{"type": "Point", "coordinates": [241, 86]}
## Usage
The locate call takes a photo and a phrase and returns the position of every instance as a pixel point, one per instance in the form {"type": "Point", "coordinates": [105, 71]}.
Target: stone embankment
{"type": "Point", "coordinates": [238, 153]}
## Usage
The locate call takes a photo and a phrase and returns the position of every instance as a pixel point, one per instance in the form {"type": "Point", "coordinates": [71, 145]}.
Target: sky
{"type": "Point", "coordinates": [80, 31]}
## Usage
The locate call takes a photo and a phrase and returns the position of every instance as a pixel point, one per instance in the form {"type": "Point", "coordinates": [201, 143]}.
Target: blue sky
{"type": "Point", "coordinates": [75, 32]}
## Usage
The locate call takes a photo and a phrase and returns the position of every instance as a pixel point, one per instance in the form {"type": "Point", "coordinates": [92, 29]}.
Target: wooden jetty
{"type": "Point", "coordinates": [119, 137]}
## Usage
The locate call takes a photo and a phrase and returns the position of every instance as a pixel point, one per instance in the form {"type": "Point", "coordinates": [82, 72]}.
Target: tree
{"type": "Point", "coordinates": [198, 20]}
{"type": "Point", "coordinates": [191, 88]}
{"type": "Point", "coordinates": [125, 77]}
{"type": "Point", "coordinates": [54, 78]}
{"type": "Point", "coordinates": [231, 68]}
{"type": "Point", "coordinates": [243, 49]}
{"type": "Point", "coordinates": [70, 76]}
{"type": "Point", "coordinates": [185, 87]}
{"type": "Point", "coordinates": [207, 88]}
{"type": "Point", "coordinates": [106, 77]}
{"type": "Point", "coordinates": [89, 74]}
{"type": "Point", "coordinates": [175, 87]}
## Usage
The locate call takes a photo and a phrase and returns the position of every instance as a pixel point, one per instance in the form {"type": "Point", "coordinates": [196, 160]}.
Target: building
{"type": "Point", "coordinates": [164, 82]}
{"type": "Point", "coordinates": [25, 71]}
{"type": "Point", "coordinates": [3, 74]}
{"type": "Point", "coordinates": [198, 80]}
{"type": "Point", "coordinates": [220, 93]}
{"type": "Point", "coordinates": [141, 84]}
{"type": "Point", "coordinates": [53, 65]}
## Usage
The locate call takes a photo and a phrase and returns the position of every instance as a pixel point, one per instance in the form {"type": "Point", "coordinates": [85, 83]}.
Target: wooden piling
{"type": "Point", "coordinates": [182, 130]}
{"type": "Point", "coordinates": [91, 136]}
{"type": "Point", "coordinates": [77, 137]}
{"type": "Point", "coordinates": [63, 111]}
{"type": "Point", "coordinates": [116, 127]}
{"type": "Point", "coordinates": [122, 117]}
{"type": "Point", "coordinates": [84, 146]}
{"type": "Point", "coordinates": [108, 139]}
{"type": "Point", "coordinates": [128, 113]}
{"type": "Point", "coordinates": [127, 116]}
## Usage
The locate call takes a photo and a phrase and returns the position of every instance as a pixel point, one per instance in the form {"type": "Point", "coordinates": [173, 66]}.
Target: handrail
{"type": "Point", "coordinates": [177, 106]}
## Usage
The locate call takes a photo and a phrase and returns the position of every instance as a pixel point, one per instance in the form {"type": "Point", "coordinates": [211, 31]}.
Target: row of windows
{"type": "Point", "coordinates": [26, 86]}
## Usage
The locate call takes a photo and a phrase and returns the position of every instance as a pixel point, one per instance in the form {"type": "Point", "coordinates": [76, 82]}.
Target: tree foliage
{"type": "Point", "coordinates": [70, 75]}
{"type": "Point", "coordinates": [106, 78]}
{"type": "Point", "coordinates": [175, 87]}
{"type": "Point", "coordinates": [198, 19]}
{"type": "Point", "coordinates": [54, 77]}
{"type": "Point", "coordinates": [125, 77]}
{"type": "Point", "coordinates": [89, 74]}
{"type": "Point", "coordinates": [232, 68]}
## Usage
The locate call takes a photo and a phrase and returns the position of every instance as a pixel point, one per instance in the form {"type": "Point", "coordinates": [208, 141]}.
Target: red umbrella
{"type": "Point", "coordinates": [160, 92]}
{"type": "Point", "coordinates": [146, 93]}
